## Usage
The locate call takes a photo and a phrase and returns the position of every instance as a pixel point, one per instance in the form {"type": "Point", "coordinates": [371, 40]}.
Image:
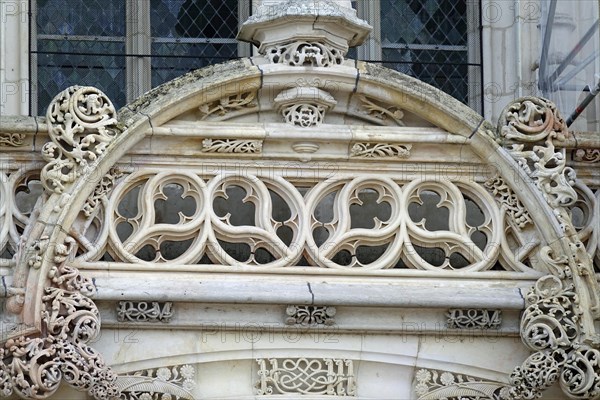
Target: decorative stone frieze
{"type": "Point", "coordinates": [81, 124]}
{"type": "Point", "coordinates": [165, 383]}
{"type": "Point", "coordinates": [144, 311]}
{"type": "Point", "coordinates": [232, 146]}
{"type": "Point", "coordinates": [202, 192]}
{"type": "Point", "coordinates": [222, 107]}
{"type": "Point", "coordinates": [310, 315]}
{"type": "Point", "coordinates": [380, 150]}
{"type": "Point", "coordinates": [586, 155]}
{"type": "Point", "coordinates": [381, 112]}
{"type": "Point", "coordinates": [12, 139]}
{"type": "Point", "coordinates": [302, 53]}
{"type": "Point", "coordinates": [436, 385]}
{"type": "Point", "coordinates": [304, 107]}
{"type": "Point", "coordinates": [474, 319]}
{"type": "Point", "coordinates": [306, 376]}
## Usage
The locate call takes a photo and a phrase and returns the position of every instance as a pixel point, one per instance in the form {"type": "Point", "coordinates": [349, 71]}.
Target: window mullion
{"type": "Point", "coordinates": [138, 48]}
{"type": "Point", "coordinates": [370, 11]}
{"type": "Point", "coordinates": [244, 50]}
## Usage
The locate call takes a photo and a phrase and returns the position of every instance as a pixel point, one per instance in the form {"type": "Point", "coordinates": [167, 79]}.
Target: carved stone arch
{"type": "Point", "coordinates": [44, 288]}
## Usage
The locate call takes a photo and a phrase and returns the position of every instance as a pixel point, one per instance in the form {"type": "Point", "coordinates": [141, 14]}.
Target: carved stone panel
{"type": "Point", "coordinates": [323, 376]}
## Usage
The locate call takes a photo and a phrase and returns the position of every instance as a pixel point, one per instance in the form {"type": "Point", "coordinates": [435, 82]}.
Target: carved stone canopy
{"type": "Point", "coordinates": [324, 21]}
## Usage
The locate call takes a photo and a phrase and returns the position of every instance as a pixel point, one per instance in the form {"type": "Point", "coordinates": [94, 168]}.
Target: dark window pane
{"type": "Point", "coordinates": [75, 17]}
{"type": "Point", "coordinates": [64, 63]}
{"type": "Point", "coordinates": [428, 39]}
{"type": "Point", "coordinates": [194, 18]}
{"type": "Point", "coordinates": [191, 34]}
{"type": "Point", "coordinates": [171, 60]}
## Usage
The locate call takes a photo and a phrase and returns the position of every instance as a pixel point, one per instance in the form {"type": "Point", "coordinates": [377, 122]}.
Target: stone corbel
{"type": "Point", "coordinates": [81, 124]}
{"type": "Point", "coordinates": [558, 323]}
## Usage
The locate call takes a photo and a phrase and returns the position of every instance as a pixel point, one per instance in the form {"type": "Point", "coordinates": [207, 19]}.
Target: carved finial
{"type": "Point", "coordinates": [322, 31]}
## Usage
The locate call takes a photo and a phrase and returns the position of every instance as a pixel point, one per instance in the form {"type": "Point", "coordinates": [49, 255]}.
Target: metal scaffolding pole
{"type": "Point", "coordinates": [546, 44]}
{"type": "Point", "coordinates": [586, 101]}
{"type": "Point", "coordinates": [588, 35]}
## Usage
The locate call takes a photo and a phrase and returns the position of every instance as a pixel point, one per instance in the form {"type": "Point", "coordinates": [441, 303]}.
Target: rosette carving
{"type": "Point", "coordinates": [81, 124]}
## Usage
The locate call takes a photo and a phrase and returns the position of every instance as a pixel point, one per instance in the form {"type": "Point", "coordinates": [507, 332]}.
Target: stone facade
{"type": "Point", "coordinates": [298, 224]}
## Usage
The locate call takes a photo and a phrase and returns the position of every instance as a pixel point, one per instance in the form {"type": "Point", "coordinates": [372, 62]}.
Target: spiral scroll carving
{"type": "Point", "coordinates": [81, 124]}
{"type": "Point", "coordinates": [33, 367]}
{"type": "Point", "coordinates": [558, 323]}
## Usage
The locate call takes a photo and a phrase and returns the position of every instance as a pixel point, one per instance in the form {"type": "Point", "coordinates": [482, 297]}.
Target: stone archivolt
{"type": "Point", "coordinates": [561, 309]}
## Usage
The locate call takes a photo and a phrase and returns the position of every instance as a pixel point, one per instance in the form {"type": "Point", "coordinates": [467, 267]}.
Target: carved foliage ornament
{"type": "Point", "coordinates": [101, 191]}
{"type": "Point", "coordinates": [165, 383]}
{"type": "Point", "coordinates": [534, 120]}
{"type": "Point", "coordinates": [81, 124]}
{"type": "Point", "coordinates": [220, 108]}
{"type": "Point", "coordinates": [558, 323]}
{"type": "Point", "coordinates": [434, 385]}
{"type": "Point", "coordinates": [380, 150]}
{"type": "Point", "coordinates": [382, 113]}
{"type": "Point", "coordinates": [11, 139]}
{"type": "Point", "coordinates": [550, 325]}
{"type": "Point", "coordinates": [310, 315]}
{"type": "Point", "coordinates": [33, 367]}
{"type": "Point", "coordinates": [305, 54]}
{"type": "Point", "coordinates": [326, 376]}
{"type": "Point", "coordinates": [235, 146]}
{"type": "Point", "coordinates": [508, 199]}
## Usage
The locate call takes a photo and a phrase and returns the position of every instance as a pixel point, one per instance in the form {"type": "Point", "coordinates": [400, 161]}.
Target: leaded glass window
{"type": "Point", "coordinates": [436, 41]}
{"type": "Point", "coordinates": [127, 47]}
